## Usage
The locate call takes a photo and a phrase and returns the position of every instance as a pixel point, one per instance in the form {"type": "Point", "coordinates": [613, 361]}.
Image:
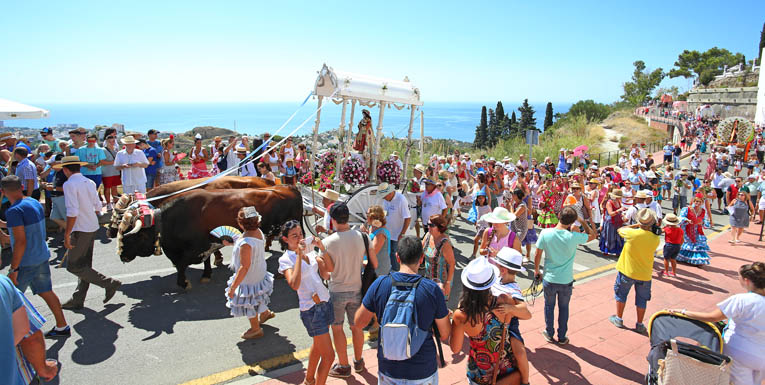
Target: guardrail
{"type": "Point", "coordinates": [612, 157]}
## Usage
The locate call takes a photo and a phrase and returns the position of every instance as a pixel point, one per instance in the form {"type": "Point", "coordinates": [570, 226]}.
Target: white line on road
{"type": "Point", "coordinates": [121, 276]}
{"type": "Point", "coordinates": [579, 267]}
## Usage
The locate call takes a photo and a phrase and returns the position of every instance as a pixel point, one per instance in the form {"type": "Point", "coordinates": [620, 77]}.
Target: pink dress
{"type": "Point", "coordinates": [198, 166]}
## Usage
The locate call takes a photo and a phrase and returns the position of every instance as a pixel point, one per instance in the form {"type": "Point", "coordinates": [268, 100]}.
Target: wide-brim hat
{"type": "Point", "coordinates": [330, 194]}
{"type": "Point", "coordinates": [366, 112]}
{"type": "Point", "coordinates": [479, 274]}
{"type": "Point", "coordinates": [595, 181]}
{"type": "Point", "coordinates": [128, 140]}
{"type": "Point", "coordinates": [506, 159]}
{"type": "Point", "coordinates": [289, 159]}
{"type": "Point", "coordinates": [420, 168]}
{"type": "Point", "coordinates": [68, 160]}
{"type": "Point", "coordinates": [510, 259]}
{"type": "Point", "coordinates": [395, 153]}
{"type": "Point", "coordinates": [671, 220]}
{"type": "Point", "coordinates": [499, 215]}
{"type": "Point", "coordinates": [6, 136]}
{"type": "Point", "coordinates": [616, 194]}
{"type": "Point", "coordinates": [383, 189]}
{"type": "Point", "coordinates": [641, 195]}
{"type": "Point", "coordinates": [241, 149]}
{"type": "Point", "coordinates": [646, 217]}
{"type": "Point", "coordinates": [575, 185]}
{"type": "Point", "coordinates": [617, 169]}
{"type": "Point", "coordinates": [727, 174]}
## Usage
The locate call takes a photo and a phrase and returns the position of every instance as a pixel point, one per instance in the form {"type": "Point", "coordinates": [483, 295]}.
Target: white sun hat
{"type": "Point", "coordinates": [480, 274]}
{"type": "Point", "coordinates": [499, 215]}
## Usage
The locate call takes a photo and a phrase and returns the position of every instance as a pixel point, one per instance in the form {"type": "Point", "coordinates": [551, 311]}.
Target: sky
{"type": "Point", "coordinates": [456, 51]}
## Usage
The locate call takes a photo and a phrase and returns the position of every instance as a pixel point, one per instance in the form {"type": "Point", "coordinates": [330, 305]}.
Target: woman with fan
{"type": "Point", "coordinates": [199, 158]}
{"type": "Point", "coordinates": [695, 249]}
{"type": "Point", "coordinates": [306, 278]}
{"type": "Point", "coordinates": [249, 289]}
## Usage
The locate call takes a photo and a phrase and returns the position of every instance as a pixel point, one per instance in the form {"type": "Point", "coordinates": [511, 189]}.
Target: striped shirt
{"type": "Point", "coordinates": [26, 170]}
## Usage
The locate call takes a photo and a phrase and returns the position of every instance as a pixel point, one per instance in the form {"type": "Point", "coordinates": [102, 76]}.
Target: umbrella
{"type": "Point", "coordinates": [580, 150]}
{"type": "Point", "coordinates": [14, 110]}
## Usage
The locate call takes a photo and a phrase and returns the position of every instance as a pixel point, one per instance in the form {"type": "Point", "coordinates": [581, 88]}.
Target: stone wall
{"type": "Point", "coordinates": [726, 102]}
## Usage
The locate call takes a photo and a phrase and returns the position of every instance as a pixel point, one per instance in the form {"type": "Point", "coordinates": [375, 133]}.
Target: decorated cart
{"type": "Point", "coordinates": [737, 131]}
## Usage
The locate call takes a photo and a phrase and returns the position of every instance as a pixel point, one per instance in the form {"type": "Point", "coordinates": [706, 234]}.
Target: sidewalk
{"type": "Point", "coordinates": [599, 353]}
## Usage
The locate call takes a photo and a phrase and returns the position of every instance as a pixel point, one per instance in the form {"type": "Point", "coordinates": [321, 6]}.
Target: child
{"type": "Point", "coordinates": [509, 262]}
{"type": "Point", "coordinates": [250, 288]}
{"type": "Point", "coordinates": [673, 240]}
{"type": "Point", "coordinates": [737, 165]}
{"type": "Point", "coordinates": [313, 297]}
{"type": "Point", "coordinates": [480, 208]}
{"type": "Point", "coordinates": [290, 172]}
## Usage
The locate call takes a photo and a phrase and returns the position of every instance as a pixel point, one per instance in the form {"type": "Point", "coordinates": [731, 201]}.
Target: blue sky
{"type": "Point", "coordinates": [206, 51]}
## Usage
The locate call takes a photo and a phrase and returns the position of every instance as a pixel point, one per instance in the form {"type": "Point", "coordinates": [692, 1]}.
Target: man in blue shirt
{"type": "Point", "coordinates": [668, 150]}
{"type": "Point", "coordinates": [29, 266]}
{"type": "Point", "coordinates": [422, 368]}
{"type": "Point", "coordinates": [153, 157]}
{"type": "Point", "coordinates": [157, 146]}
{"type": "Point", "coordinates": [27, 173]}
{"type": "Point", "coordinates": [22, 347]}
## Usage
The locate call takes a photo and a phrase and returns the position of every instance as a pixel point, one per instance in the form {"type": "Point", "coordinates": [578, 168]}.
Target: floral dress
{"type": "Point", "coordinates": [484, 351]}
{"type": "Point", "coordinates": [254, 293]}
{"type": "Point", "coordinates": [695, 250]}
{"type": "Point", "coordinates": [435, 263]}
{"type": "Point", "coordinates": [610, 240]}
{"type": "Point", "coordinates": [547, 203]}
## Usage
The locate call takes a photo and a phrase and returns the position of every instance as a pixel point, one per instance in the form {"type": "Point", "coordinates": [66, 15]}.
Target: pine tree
{"type": "Point", "coordinates": [548, 116]}
{"type": "Point", "coordinates": [491, 138]}
{"type": "Point", "coordinates": [528, 122]}
{"type": "Point", "coordinates": [512, 125]}
{"type": "Point", "coordinates": [481, 131]}
{"type": "Point", "coordinates": [500, 111]}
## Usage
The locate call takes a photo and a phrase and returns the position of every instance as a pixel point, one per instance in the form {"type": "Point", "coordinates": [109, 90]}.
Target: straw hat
{"type": "Point", "coordinates": [595, 180]}
{"type": "Point", "coordinates": [641, 195]}
{"type": "Point", "coordinates": [395, 153]}
{"type": "Point", "coordinates": [68, 160]}
{"type": "Point", "coordinates": [727, 174]}
{"type": "Point", "coordinates": [617, 169]}
{"type": "Point", "coordinates": [240, 149]}
{"type": "Point", "coordinates": [671, 220]}
{"type": "Point", "coordinates": [575, 185]}
{"type": "Point", "coordinates": [510, 259]}
{"type": "Point", "coordinates": [646, 217]}
{"type": "Point", "coordinates": [6, 136]}
{"type": "Point", "coordinates": [128, 140]}
{"type": "Point", "coordinates": [420, 168]}
{"type": "Point", "coordinates": [479, 274]}
{"type": "Point", "coordinates": [616, 194]}
{"type": "Point", "coordinates": [330, 194]}
{"type": "Point", "coordinates": [499, 215]}
{"type": "Point", "coordinates": [506, 159]}
{"type": "Point", "coordinates": [289, 159]}
{"type": "Point", "coordinates": [383, 189]}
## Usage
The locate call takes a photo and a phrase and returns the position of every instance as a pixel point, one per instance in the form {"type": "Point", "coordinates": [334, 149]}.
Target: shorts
{"type": "Point", "coordinates": [679, 201]}
{"type": "Point", "coordinates": [318, 318]}
{"type": "Point", "coordinates": [112, 181]}
{"type": "Point", "coordinates": [95, 178]}
{"type": "Point", "coordinates": [622, 288]}
{"type": "Point", "coordinates": [385, 380]}
{"type": "Point", "coordinates": [671, 250]}
{"type": "Point", "coordinates": [37, 276]}
{"type": "Point", "coordinates": [761, 204]}
{"type": "Point", "coordinates": [150, 177]}
{"type": "Point", "coordinates": [720, 193]}
{"type": "Point", "coordinates": [344, 303]}
{"type": "Point", "coordinates": [58, 208]}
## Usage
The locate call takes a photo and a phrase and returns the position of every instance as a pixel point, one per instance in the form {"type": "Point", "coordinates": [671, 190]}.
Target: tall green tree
{"type": "Point", "coordinates": [481, 131]}
{"type": "Point", "coordinates": [548, 116]}
{"type": "Point", "coordinates": [528, 121]}
{"type": "Point", "coordinates": [638, 90]}
{"type": "Point", "coordinates": [494, 130]}
{"type": "Point", "coordinates": [762, 44]}
{"type": "Point", "coordinates": [512, 125]}
{"type": "Point", "coordinates": [500, 111]}
{"type": "Point", "coordinates": [591, 109]}
{"type": "Point", "coordinates": [704, 66]}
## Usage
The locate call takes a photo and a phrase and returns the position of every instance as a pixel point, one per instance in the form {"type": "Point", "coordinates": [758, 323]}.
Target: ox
{"type": "Point", "coordinates": [182, 226]}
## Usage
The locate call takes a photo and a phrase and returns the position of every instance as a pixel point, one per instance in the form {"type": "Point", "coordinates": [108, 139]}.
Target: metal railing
{"type": "Point", "coordinates": [612, 157]}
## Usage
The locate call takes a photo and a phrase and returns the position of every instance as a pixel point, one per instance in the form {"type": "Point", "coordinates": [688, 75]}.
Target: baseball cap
{"type": "Point", "coordinates": [152, 131]}
{"type": "Point", "coordinates": [339, 212]}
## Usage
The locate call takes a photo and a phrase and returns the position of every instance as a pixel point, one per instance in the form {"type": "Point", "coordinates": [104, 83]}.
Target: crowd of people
{"type": "Point", "coordinates": [381, 278]}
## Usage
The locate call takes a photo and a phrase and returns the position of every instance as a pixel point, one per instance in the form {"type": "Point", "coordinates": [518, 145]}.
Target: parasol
{"type": "Point", "coordinates": [580, 150]}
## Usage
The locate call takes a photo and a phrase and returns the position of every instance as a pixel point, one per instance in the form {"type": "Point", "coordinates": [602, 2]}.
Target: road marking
{"type": "Point", "coordinates": [121, 276]}
{"type": "Point", "coordinates": [579, 267]}
{"type": "Point", "coordinates": [268, 364]}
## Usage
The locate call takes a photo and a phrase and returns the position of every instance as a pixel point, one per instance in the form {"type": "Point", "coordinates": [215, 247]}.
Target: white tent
{"type": "Point", "coordinates": [344, 87]}
{"type": "Point", "coordinates": [759, 114]}
{"type": "Point", "coordinates": [14, 110]}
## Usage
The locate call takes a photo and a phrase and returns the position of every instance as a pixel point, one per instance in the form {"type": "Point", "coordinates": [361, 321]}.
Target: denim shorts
{"type": "Point", "coordinates": [385, 380]}
{"type": "Point", "coordinates": [622, 288]}
{"type": "Point", "coordinates": [671, 250]}
{"type": "Point", "coordinates": [37, 276]}
{"type": "Point", "coordinates": [345, 303]}
{"type": "Point", "coordinates": [318, 318]}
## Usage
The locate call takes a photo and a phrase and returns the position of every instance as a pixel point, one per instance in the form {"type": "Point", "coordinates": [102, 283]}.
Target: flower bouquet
{"type": "Point", "coordinates": [389, 172]}
{"type": "Point", "coordinates": [354, 172]}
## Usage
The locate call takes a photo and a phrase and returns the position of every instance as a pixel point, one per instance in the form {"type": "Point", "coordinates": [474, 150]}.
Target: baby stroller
{"type": "Point", "coordinates": [679, 363]}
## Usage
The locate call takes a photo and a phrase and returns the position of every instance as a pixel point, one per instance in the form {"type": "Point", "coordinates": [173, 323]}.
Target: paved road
{"type": "Point", "coordinates": [152, 333]}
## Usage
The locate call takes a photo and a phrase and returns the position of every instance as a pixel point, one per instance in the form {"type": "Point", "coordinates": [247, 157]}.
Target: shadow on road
{"type": "Point", "coordinates": [97, 336]}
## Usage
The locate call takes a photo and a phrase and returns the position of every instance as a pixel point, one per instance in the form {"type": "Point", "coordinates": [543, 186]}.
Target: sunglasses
{"type": "Point", "coordinates": [111, 137]}
{"type": "Point", "coordinates": [432, 225]}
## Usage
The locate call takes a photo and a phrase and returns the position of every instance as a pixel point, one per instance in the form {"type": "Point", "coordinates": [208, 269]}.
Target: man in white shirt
{"type": "Point", "coordinates": [652, 204]}
{"type": "Point", "coordinates": [432, 202]}
{"type": "Point", "coordinates": [132, 164]}
{"type": "Point", "coordinates": [82, 209]}
{"type": "Point", "coordinates": [249, 168]}
{"type": "Point", "coordinates": [394, 157]}
{"type": "Point", "coordinates": [397, 218]}
{"type": "Point", "coordinates": [232, 160]}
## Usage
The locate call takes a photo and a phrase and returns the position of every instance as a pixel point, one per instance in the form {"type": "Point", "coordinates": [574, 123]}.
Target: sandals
{"type": "Point", "coordinates": [267, 317]}
{"type": "Point", "coordinates": [251, 335]}
{"type": "Point", "coordinates": [306, 382]}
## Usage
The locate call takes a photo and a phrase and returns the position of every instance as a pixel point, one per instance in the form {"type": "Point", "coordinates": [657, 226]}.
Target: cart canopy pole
{"type": "Point", "coordinates": [376, 155]}
{"type": "Point", "coordinates": [404, 172]}
{"type": "Point", "coordinates": [350, 128]}
{"type": "Point", "coordinates": [315, 144]}
{"type": "Point", "coordinates": [340, 145]}
{"type": "Point", "coordinates": [422, 136]}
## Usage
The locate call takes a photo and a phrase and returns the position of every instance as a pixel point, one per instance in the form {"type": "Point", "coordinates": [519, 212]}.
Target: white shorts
{"type": "Point", "coordinates": [761, 204]}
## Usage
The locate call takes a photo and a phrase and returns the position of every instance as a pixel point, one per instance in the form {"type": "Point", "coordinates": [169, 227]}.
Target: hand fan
{"type": "Point", "coordinates": [226, 233]}
{"type": "Point", "coordinates": [179, 156]}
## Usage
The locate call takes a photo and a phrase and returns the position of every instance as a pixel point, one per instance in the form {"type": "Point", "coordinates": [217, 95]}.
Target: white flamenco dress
{"type": "Point", "coordinates": [253, 295]}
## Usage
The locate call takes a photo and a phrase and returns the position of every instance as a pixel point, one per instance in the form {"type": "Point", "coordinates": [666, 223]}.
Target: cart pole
{"type": "Point", "coordinates": [314, 145]}
{"type": "Point", "coordinates": [350, 128]}
{"type": "Point", "coordinates": [405, 171]}
{"type": "Point", "coordinates": [340, 145]}
{"type": "Point", "coordinates": [376, 154]}
{"type": "Point", "coordinates": [422, 135]}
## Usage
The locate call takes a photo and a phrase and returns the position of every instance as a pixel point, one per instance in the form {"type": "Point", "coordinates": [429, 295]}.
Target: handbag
{"type": "Point", "coordinates": [369, 275]}
{"type": "Point", "coordinates": [683, 369]}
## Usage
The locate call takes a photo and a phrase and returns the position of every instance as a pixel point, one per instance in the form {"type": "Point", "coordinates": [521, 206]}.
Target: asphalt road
{"type": "Point", "coordinates": [151, 332]}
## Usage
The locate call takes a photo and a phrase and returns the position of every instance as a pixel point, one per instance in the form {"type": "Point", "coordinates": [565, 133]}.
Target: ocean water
{"type": "Point", "coordinates": [442, 120]}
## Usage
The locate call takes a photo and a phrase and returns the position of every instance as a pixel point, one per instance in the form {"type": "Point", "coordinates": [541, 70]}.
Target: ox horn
{"type": "Point", "coordinates": [138, 225]}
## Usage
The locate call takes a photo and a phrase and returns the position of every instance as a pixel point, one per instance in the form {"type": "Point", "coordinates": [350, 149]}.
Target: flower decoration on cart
{"type": "Point", "coordinates": [354, 172]}
{"type": "Point", "coordinates": [389, 172]}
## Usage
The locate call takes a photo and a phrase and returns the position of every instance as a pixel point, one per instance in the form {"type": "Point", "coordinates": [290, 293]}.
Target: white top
{"type": "Point", "coordinates": [82, 201]}
{"type": "Point", "coordinates": [656, 209]}
{"type": "Point", "coordinates": [134, 176]}
{"type": "Point", "coordinates": [257, 270]}
{"type": "Point", "coordinates": [289, 152]}
{"type": "Point", "coordinates": [432, 204]}
{"type": "Point", "coordinates": [231, 159]}
{"type": "Point", "coordinates": [399, 163]}
{"type": "Point", "coordinates": [745, 333]}
{"type": "Point", "coordinates": [310, 281]}
{"type": "Point", "coordinates": [398, 211]}
{"type": "Point", "coordinates": [248, 170]}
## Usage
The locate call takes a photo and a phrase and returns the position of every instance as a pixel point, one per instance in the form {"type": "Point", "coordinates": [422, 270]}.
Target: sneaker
{"type": "Point", "coordinates": [562, 341]}
{"type": "Point", "coordinates": [616, 321]}
{"type": "Point", "coordinates": [53, 333]}
{"type": "Point", "coordinates": [674, 274]}
{"type": "Point", "coordinates": [72, 305]}
{"type": "Point", "coordinates": [547, 336]}
{"type": "Point", "coordinates": [340, 371]}
{"type": "Point", "coordinates": [640, 328]}
{"type": "Point", "coordinates": [110, 292]}
{"type": "Point", "coordinates": [665, 274]}
{"type": "Point", "coordinates": [358, 366]}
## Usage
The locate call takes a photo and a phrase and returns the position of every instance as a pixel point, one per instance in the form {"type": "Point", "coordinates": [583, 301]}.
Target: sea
{"type": "Point", "coordinates": [443, 120]}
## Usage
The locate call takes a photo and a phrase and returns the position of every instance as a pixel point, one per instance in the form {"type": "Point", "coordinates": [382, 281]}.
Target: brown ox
{"type": "Point", "coordinates": [182, 226]}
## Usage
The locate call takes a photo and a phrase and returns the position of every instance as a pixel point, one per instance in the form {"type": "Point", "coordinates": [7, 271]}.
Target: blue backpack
{"type": "Point", "coordinates": [400, 334]}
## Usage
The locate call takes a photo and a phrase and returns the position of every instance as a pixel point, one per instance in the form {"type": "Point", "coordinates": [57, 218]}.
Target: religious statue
{"type": "Point", "coordinates": [365, 132]}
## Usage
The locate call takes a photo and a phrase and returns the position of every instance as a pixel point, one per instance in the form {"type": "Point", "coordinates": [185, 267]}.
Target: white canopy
{"type": "Point", "coordinates": [366, 89]}
{"type": "Point", "coordinates": [14, 110]}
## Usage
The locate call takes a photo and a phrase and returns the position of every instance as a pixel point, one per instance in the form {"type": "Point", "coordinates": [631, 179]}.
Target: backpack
{"type": "Point", "coordinates": [400, 333]}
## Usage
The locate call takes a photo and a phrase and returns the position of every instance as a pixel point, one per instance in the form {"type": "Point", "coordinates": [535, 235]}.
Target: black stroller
{"type": "Point", "coordinates": [700, 363]}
